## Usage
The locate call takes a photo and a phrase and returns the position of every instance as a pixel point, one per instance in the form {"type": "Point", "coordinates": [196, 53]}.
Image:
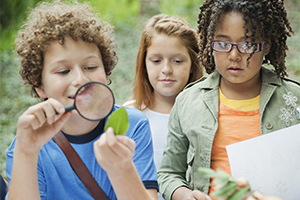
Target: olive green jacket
{"type": "Point", "coordinates": [194, 121]}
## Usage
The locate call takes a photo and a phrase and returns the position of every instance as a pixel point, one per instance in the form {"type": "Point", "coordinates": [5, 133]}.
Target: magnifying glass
{"type": "Point", "coordinates": [93, 101]}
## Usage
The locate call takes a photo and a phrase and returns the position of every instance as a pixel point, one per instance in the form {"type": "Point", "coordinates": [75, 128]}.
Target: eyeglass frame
{"type": "Point", "coordinates": [259, 49]}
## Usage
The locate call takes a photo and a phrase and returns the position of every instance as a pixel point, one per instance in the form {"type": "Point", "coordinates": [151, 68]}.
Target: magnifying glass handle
{"type": "Point", "coordinates": [69, 108]}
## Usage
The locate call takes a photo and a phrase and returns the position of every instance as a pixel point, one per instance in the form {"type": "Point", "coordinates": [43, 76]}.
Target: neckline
{"type": "Point", "coordinates": [81, 139]}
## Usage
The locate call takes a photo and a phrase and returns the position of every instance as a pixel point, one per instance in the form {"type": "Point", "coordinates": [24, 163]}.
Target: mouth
{"type": "Point", "coordinates": [83, 89]}
{"type": "Point", "coordinates": [235, 68]}
{"type": "Point", "coordinates": [167, 80]}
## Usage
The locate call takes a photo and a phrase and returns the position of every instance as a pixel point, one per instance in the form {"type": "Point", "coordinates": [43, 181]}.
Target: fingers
{"type": "Point", "coordinates": [197, 195]}
{"type": "Point", "coordinates": [114, 151]}
{"type": "Point", "coordinates": [257, 195]}
{"type": "Point", "coordinates": [242, 182]}
{"type": "Point", "coordinates": [41, 113]}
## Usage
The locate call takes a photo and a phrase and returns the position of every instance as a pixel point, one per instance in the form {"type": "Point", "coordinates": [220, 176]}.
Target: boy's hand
{"type": "Point", "coordinates": [37, 125]}
{"type": "Point", "coordinates": [114, 153]}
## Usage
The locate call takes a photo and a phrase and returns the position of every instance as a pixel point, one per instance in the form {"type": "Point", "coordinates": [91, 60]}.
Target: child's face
{"type": "Point", "coordinates": [233, 65]}
{"type": "Point", "coordinates": [66, 67]}
{"type": "Point", "coordinates": [168, 65]}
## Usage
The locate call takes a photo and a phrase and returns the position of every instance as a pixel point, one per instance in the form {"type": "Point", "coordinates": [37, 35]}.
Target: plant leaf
{"type": "Point", "coordinates": [118, 120]}
{"type": "Point", "coordinates": [226, 190]}
{"type": "Point", "coordinates": [223, 174]}
{"type": "Point", "coordinates": [207, 172]}
{"type": "Point", "coordinates": [220, 181]}
{"type": "Point", "coordinates": [238, 195]}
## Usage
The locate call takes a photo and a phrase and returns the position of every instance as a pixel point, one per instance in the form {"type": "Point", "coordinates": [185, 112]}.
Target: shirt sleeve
{"type": "Point", "coordinates": [139, 131]}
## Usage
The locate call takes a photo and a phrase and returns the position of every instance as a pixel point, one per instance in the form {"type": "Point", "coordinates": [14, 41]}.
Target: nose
{"type": "Point", "coordinates": [234, 55]}
{"type": "Point", "coordinates": [167, 69]}
{"type": "Point", "coordinates": [79, 78]}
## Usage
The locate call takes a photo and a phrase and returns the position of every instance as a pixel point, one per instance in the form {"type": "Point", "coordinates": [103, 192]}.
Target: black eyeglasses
{"type": "Point", "coordinates": [243, 47]}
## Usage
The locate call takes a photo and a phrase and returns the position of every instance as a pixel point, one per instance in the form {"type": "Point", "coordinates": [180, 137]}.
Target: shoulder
{"type": "Point", "coordinates": [201, 86]}
{"type": "Point", "coordinates": [292, 83]}
{"type": "Point", "coordinates": [269, 77]}
{"type": "Point", "coordinates": [129, 103]}
{"type": "Point", "coordinates": [136, 117]}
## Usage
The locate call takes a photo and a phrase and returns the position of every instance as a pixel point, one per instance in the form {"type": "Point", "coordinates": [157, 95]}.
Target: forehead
{"type": "Point", "coordinates": [232, 25]}
{"type": "Point", "coordinates": [167, 44]}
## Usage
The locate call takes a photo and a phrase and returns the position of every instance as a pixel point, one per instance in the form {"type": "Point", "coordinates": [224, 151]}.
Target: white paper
{"type": "Point", "coordinates": [271, 162]}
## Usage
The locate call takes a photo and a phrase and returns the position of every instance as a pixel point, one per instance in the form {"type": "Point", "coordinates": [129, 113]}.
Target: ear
{"type": "Point", "coordinates": [267, 47]}
{"type": "Point", "coordinates": [41, 92]}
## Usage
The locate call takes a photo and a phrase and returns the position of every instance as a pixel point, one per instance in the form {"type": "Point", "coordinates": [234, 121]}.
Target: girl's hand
{"type": "Point", "coordinates": [197, 195]}
{"type": "Point", "coordinates": [114, 153]}
{"type": "Point", "coordinates": [38, 124]}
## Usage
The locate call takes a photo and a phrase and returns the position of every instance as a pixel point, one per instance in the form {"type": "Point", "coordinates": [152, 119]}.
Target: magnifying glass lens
{"type": "Point", "coordinates": [94, 101]}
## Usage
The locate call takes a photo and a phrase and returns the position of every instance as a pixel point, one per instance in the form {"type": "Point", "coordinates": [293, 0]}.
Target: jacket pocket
{"type": "Point", "coordinates": [189, 171]}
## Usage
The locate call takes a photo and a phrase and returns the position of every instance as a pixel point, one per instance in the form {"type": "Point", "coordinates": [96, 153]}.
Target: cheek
{"type": "Point", "coordinates": [100, 76]}
{"type": "Point", "coordinates": [256, 60]}
{"type": "Point", "coordinates": [218, 59]}
{"type": "Point", "coordinates": [152, 71]}
{"type": "Point", "coordinates": [183, 73]}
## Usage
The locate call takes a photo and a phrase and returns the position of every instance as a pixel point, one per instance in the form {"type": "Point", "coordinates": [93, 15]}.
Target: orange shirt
{"type": "Point", "coordinates": [238, 120]}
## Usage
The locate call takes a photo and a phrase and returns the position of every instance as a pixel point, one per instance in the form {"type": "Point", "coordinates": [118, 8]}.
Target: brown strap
{"type": "Point", "coordinates": [79, 167]}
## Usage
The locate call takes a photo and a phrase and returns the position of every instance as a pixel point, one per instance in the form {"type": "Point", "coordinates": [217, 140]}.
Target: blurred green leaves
{"type": "Point", "coordinates": [14, 100]}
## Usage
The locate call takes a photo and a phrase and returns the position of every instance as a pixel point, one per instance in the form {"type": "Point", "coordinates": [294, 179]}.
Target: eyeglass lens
{"type": "Point", "coordinates": [243, 47]}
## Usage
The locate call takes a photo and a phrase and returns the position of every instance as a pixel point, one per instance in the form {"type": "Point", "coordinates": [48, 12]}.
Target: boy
{"type": "Point", "coordinates": [62, 47]}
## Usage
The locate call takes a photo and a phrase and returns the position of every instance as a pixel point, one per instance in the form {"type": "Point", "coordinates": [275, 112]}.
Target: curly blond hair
{"type": "Point", "coordinates": [54, 21]}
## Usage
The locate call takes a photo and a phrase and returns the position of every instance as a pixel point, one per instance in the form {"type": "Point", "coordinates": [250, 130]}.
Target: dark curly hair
{"type": "Point", "coordinates": [269, 17]}
{"type": "Point", "coordinates": [54, 21]}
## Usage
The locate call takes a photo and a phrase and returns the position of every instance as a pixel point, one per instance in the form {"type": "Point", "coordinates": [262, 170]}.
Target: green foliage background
{"type": "Point", "coordinates": [128, 17]}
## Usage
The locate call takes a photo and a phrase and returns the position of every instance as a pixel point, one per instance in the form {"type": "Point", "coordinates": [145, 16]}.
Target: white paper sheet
{"type": "Point", "coordinates": [271, 162]}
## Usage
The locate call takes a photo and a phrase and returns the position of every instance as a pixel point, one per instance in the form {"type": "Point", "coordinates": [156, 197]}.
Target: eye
{"type": "Point", "coordinates": [248, 47]}
{"type": "Point", "coordinates": [177, 61]}
{"type": "Point", "coordinates": [64, 71]}
{"type": "Point", "coordinates": [222, 45]}
{"type": "Point", "coordinates": [156, 61]}
{"type": "Point", "coordinates": [90, 68]}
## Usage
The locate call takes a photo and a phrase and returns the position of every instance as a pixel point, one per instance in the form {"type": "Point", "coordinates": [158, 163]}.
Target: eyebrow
{"type": "Point", "coordinates": [62, 61]}
{"type": "Point", "coordinates": [221, 36]}
{"type": "Point", "coordinates": [93, 56]}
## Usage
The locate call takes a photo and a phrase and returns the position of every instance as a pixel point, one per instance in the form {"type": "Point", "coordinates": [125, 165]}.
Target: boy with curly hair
{"type": "Point", "coordinates": [62, 46]}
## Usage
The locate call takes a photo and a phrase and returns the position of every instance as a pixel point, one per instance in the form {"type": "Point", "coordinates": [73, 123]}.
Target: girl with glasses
{"type": "Point", "coordinates": [239, 100]}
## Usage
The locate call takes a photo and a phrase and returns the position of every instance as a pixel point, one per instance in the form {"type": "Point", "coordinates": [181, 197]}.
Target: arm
{"type": "Point", "coordinates": [114, 154]}
{"type": "Point", "coordinates": [34, 129]}
{"type": "Point", "coordinates": [172, 173]}
{"type": "Point", "coordinates": [185, 193]}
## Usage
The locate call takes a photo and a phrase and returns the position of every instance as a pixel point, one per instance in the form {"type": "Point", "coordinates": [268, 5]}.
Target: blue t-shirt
{"type": "Point", "coordinates": [56, 178]}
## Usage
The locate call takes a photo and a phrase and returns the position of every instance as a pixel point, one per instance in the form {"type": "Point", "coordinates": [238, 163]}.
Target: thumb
{"type": "Point", "coordinates": [58, 124]}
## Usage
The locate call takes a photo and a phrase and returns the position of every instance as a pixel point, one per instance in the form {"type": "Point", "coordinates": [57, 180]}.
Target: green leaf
{"type": "Point", "coordinates": [220, 181]}
{"type": "Point", "coordinates": [207, 172]}
{"type": "Point", "coordinates": [238, 195]}
{"type": "Point", "coordinates": [118, 120]}
{"type": "Point", "coordinates": [226, 190]}
{"type": "Point", "coordinates": [223, 174]}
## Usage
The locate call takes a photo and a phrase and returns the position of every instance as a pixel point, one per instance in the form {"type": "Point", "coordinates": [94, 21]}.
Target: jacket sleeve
{"type": "Point", "coordinates": [172, 172]}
